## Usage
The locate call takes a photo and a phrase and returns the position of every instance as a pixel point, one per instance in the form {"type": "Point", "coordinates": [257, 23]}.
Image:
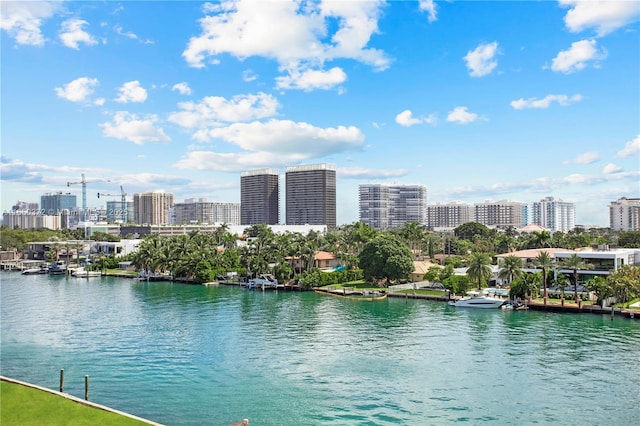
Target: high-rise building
{"type": "Point", "coordinates": [152, 208]}
{"type": "Point", "coordinates": [55, 202]}
{"type": "Point", "coordinates": [260, 197]}
{"type": "Point", "coordinates": [389, 206]}
{"type": "Point", "coordinates": [205, 212]}
{"type": "Point", "coordinates": [449, 215]}
{"type": "Point", "coordinates": [374, 205]}
{"type": "Point", "coordinates": [25, 219]}
{"type": "Point", "coordinates": [116, 212]}
{"type": "Point", "coordinates": [33, 208]}
{"type": "Point", "coordinates": [501, 214]}
{"type": "Point", "coordinates": [554, 215]}
{"type": "Point", "coordinates": [311, 195]}
{"type": "Point", "coordinates": [624, 214]}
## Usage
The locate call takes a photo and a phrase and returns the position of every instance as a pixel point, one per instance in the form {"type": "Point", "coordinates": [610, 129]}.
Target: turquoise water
{"type": "Point", "coordinates": [193, 355]}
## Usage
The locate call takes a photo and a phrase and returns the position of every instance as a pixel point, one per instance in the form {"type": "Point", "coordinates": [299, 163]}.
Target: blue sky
{"type": "Point", "coordinates": [474, 100]}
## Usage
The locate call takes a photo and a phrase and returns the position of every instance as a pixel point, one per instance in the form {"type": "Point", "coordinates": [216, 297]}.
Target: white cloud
{"type": "Point", "coordinates": [406, 119]}
{"type": "Point", "coordinates": [72, 33]}
{"type": "Point", "coordinates": [138, 130]}
{"type": "Point", "coordinates": [22, 19]}
{"type": "Point", "coordinates": [461, 115]}
{"type": "Point", "coordinates": [545, 102]}
{"type": "Point", "coordinates": [271, 144]}
{"type": "Point", "coordinates": [289, 137]}
{"type": "Point", "coordinates": [211, 111]}
{"type": "Point", "coordinates": [632, 147]}
{"type": "Point", "coordinates": [128, 34]}
{"type": "Point", "coordinates": [429, 6]}
{"type": "Point", "coordinates": [298, 37]}
{"type": "Point", "coordinates": [481, 61]}
{"type": "Point", "coordinates": [236, 161]}
{"type": "Point", "coordinates": [586, 158]}
{"type": "Point", "coordinates": [78, 90]}
{"type": "Point", "coordinates": [132, 92]}
{"type": "Point", "coordinates": [605, 16]}
{"type": "Point", "coordinates": [611, 168]}
{"type": "Point", "coordinates": [576, 58]}
{"type": "Point", "coordinates": [182, 88]}
{"type": "Point", "coordinates": [312, 79]}
{"type": "Point", "coordinates": [249, 75]}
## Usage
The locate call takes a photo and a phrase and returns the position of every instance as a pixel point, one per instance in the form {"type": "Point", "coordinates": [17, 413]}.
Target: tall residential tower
{"type": "Point", "coordinates": [624, 214]}
{"type": "Point", "coordinates": [152, 208]}
{"type": "Point", "coordinates": [260, 197]}
{"type": "Point", "coordinates": [555, 215]}
{"type": "Point", "coordinates": [311, 195]}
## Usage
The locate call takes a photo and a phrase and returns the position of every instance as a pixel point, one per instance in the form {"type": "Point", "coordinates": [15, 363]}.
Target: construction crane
{"type": "Point", "coordinates": [123, 206]}
{"type": "Point", "coordinates": [84, 182]}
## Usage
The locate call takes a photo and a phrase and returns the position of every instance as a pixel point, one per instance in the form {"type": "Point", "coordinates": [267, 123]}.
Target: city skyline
{"type": "Point", "coordinates": [475, 101]}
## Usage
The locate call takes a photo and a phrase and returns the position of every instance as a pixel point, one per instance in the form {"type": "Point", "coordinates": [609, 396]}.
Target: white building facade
{"type": "Point", "coordinates": [391, 206]}
{"type": "Point", "coordinates": [554, 215]}
{"type": "Point", "coordinates": [624, 214]}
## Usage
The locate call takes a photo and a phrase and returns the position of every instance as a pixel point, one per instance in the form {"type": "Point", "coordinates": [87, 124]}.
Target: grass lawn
{"type": "Point", "coordinates": [22, 405]}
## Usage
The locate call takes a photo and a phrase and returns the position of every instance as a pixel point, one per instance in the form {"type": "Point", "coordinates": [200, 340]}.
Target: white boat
{"type": "Point", "coordinates": [478, 302]}
{"type": "Point", "coordinates": [34, 271]}
{"type": "Point", "coordinates": [83, 273]}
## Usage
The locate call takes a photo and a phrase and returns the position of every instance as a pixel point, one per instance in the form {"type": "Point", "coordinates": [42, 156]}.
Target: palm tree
{"type": "Point", "coordinates": [541, 238]}
{"type": "Point", "coordinates": [479, 269]}
{"type": "Point", "coordinates": [412, 234]}
{"type": "Point", "coordinates": [511, 268]}
{"type": "Point", "coordinates": [544, 261]}
{"type": "Point", "coordinates": [575, 263]}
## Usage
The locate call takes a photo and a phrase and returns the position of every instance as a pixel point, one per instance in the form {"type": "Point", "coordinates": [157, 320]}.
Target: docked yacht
{"type": "Point", "coordinates": [475, 300]}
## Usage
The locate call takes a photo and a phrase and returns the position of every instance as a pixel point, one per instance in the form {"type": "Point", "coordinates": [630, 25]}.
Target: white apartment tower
{"type": "Point", "coordinates": [501, 214]}
{"type": "Point", "coordinates": [390, 206]}
{"type": "Point", "coordinates": [555, 215]}
{"type": "Point", "coordinates": [624, 214]}
{"type": "Point", "coordinates": [152, 208]}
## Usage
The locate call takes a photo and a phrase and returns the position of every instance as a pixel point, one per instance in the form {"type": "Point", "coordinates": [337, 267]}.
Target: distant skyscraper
{"type": "Point", "coordinates": [202, 211]}
{"type": "Point", "coordinates": [555, 215]}
{"type": "Point", "coordinates": [449, 215]}
{"type": "Point", "coordinates": [390, 206]}
{"type": "Point", "coordinates": [501, 214]}
{"type": "Point", "coordinates": [311, 195]}
{"type": "Point", "coordinates": [152, 208]}
{"type": "Point", "coordinates": [624, 214]}
{"type": "Point", "coordinates": [33, 208]}
{"type": "Point", "coordinates": [260, 197]}
{"type": "Point", "coordinates": [374, 205]}
{"type": "Point", "coordinates": [117, 212]}
{"type": "Point", "coordinates": [55, 202]}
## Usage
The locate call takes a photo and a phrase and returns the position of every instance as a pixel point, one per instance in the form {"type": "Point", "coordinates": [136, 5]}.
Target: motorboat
{"type": "Point", "coordinates": [57, 268]}
{"type": "Point", "coordinates": [33, 271]}
{"type": "Point", "coordinates": [83, 273]}
{"type": "Point", "coordinates": [475, 300]}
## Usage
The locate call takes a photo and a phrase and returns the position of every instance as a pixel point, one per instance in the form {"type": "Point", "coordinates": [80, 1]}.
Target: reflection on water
{"type": "Point", "coordinates": [181, 354]}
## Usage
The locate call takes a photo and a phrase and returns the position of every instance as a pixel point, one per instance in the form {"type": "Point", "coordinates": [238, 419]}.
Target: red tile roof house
{"type": "Point", "coordinates": [322, 260]}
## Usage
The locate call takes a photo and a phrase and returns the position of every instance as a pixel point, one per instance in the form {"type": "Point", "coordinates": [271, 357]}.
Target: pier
{"type": "Point", "coordinates": [583, 309]}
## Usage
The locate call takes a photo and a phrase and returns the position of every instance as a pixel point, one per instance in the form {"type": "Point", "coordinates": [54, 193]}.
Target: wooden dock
{"type": "Point", "coordinates": [583, 309]}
